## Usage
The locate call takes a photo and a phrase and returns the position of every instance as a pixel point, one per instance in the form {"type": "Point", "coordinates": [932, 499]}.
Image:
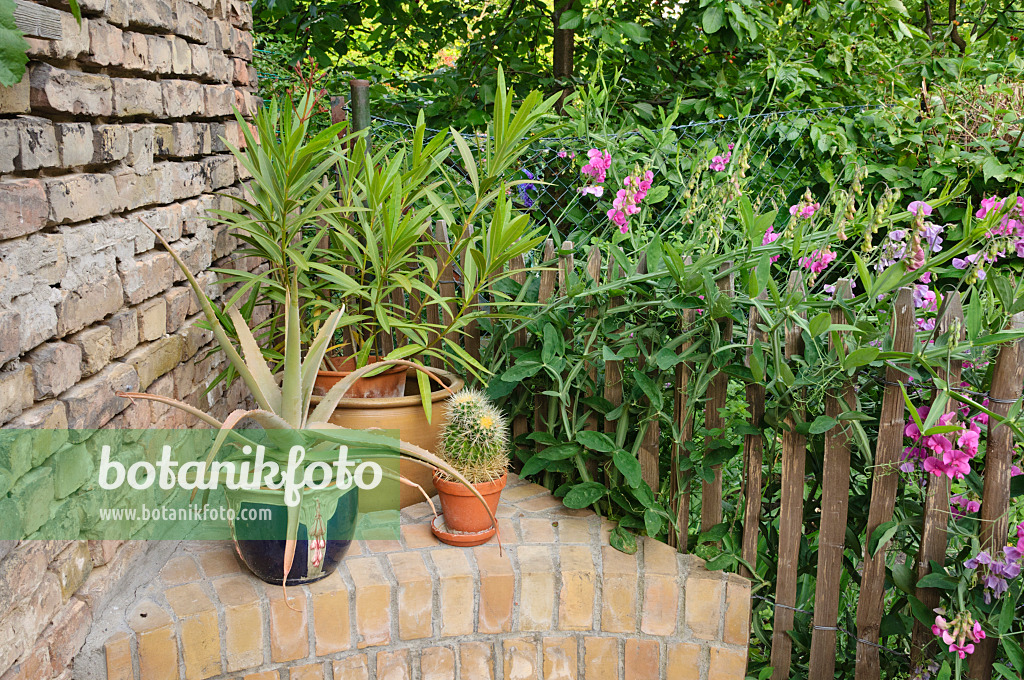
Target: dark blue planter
{"type": "Point", "coordinates": [261, 542]}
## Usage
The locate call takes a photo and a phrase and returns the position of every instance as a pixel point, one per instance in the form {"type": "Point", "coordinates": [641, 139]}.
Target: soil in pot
{"type": "Point", "coordinates": [406, 415]}
{"type": "Point", "coordinates": [327, 522]}
{"type": "Point", "coordinates": [387, 385]}
{"type": "Point", "coordinates": [463, 512]}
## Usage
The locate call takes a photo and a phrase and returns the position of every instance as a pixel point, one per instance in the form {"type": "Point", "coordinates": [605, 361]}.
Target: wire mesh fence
{"type": "Point", "coordinates": [781, 152]}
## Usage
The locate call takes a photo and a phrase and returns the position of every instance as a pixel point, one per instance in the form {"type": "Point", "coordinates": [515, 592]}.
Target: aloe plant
{"type": "Point", "coordinates": [284, 399]}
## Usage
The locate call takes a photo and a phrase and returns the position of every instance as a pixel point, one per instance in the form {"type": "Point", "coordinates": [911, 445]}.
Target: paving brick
{"type": "Point", "coordinates": [497, 589]}
{"type": "Point", "coordinates": [243, 622]}
{"type": "Point", "coordinates": [310, 671]}
{"type": "Point", "coordinates": [520, 659]}
{"type": "Point", "coordinates": [437, 663]}
{"type": "Point", "coordinates": [394, 665]}
{"type": "Point", "coordinates": [576, 599]}
{"type": "Point", "coordinates": [560, 658]}
{"type": "Point", "coordinates": [642, 659]}
{"type": "Point", "coordinates": [537, 598]}
{"type": "Point", "coordinates": [331, 617]}
{"type": "Point", "coordinates": [180, 570]}
{"type": "Point", "coordinates": [737, 612]}
{"type": "Point", "coordinates": [457, 583]}
{"type": "Point", "coordinates": [289, 637]}
{"type": "Point", "coordinates": [415, 595]}
{"type": "Point", "coordinates": [200, 639]}
{"type": "Point", "coordinates": [476, 660]}
{"type": "Point", "coordinates": [683, 661]}
{"type": "Point", "coordinates": [118, 653]}
{"type": "Point", "coordinates": [352, 668]}
{"type": "Point", "coordinates": [727, 664]}
{"type": "Point", "coordinates": [372, 600]}
{"type": "Point", "coordinates": [619, 591]}
{"type": "Point", "coordinates": [601, 658]}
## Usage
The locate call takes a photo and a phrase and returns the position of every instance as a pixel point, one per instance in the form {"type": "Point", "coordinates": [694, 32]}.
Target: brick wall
{"type": "Point", "coordinates": [121, 119]}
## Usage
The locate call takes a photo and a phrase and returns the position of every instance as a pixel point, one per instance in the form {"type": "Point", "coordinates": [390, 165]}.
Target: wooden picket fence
{"type": "Point", "coordinates": [835, 485]}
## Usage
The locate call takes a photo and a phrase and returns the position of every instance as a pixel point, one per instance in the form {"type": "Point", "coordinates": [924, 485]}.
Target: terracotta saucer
{"type": "Point", "coordinates": [460, 538]}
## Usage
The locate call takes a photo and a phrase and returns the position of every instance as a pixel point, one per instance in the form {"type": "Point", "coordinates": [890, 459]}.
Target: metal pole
{"type": "Point", "coordinates": [361, 107]}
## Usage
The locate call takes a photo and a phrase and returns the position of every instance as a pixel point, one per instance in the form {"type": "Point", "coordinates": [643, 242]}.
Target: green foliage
{"type": "Point", "coordinates": [13, 47]}
{"type": "Point", "coordinates": [474, 438]}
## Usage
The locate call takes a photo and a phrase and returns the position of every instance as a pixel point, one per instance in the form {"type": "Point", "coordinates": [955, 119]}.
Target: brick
{"type": "Point", "coordinates": [68, 632]}
{"type": "Point", "coordinates": [51, 416]}
{"type": "Point", "coordinates": [497, 589]}
{"type": "Point", "coordinates": [88, 303]}
{"type": "Point", "coordinates": [219, 100]}
{"type": "Point", "coordinates": [92, 403]}
{"type": "Point", "coordinates": [537, 530]}
{"type": "Point", "coordinates": [37, 146]}
{"type": "Point", "coordinates": [56, 366]}
{"type": "Point", "coordinates": [157, 644]}
{"type": "Point", "coordinates": [683, 661]}
{"type": "Point", "coordinates": [619, 591]}
{"type": "Point", "coordinates": [152, 319]}
{"type": "Point", "coordinates": [81, 94]}
{"type": "Point", "coordinates": [152, 14]}
{"type": "Point", "coordinates": [15, 99]}
{"type": "Point", "coordinates": [200, 60]}
{"type": "Point", "coordinates": [176, 300]}
{"type": "Point", "coordinates": [660, 605]}
{"type": "Point", "coordinates": [147, 275]}
{"type": "Point", "coordinates": [179, 570]}
{"type": "Point", "coordinates": [74, 40]}
{"type": "Point", "coordinates": [520, 659]}
{"type": "Point", "coordinates": [352, 668]}
{"type": "Point", "coordinates": [72, 467]}
{"type": "Point", "coordinates": [117, 12]}
{"type": "Point", "coordinates": [265, 675]}
{"type": "Point", "coordinates": [642, 659]}
{"type": "Point", "coordinates": [135, 51]}
{"type": "Point", "coordinates": [110, 143]}
{"type": "Point", "coordinates": [124, 331]}
{"type": "Point", "coordinates": [78, 197]}
{"type": "Point", "coordinates": [16, 392]}
{"type": "Point", "coordinates": [415, 536]}
{"type": "Point", "coordinates": [331, 619]}
{"type": "Point", "coordinates": [138, 190]}
{"type": "Point", "coordinates": [560, 658]}
{"type": "Point", "coordinates": [140, 148]}
{"type": "Point", "coordinates": [394, 666]}
{"type": "Point", "coordinates": [72, 567]}
{"type": "Point", "coordinates": [10, 145]}
{"type": "Point", "coordinates": [311, 671]}
{"type": "Point", "coordinates": [476, 660]}
{"type": "Point", "coordinates": [219, 563]}
{"type": "Point", "coordinates": [136, 97]}
{"type": "Point", "coordinates": [289, 636]}
{"type": "Point", "coordinates": [576, 600]}
{"type": "Point", "coordinates": [727, 664]}
{"type": "Point", "coordinates": [182, 98]}
{"type": "Point", "coordinates": [372, 600]}
{"type": "Point", "coordinates": [437, 663]}
{"type": "Point", "coordinates": [191, 21]}
{"type": "Point", "coordinates": [415, 595]}
{"type": "Point", "coordinates": [106, 44]}
{"type": "Point", "coordinates": [75, 142]}
{"type": "Point", "coordinates": [181, 57]}
{"type": "Point", "coordinates": [601, 658]}
{"type": "Point", "coordinates": [118, 656]}
{"type": "Point", "coordinates": [703, 605]}
{"type": "Point", "coordinates": [737, 613]}
{"type": "Point", "coordinates": [160, 58]}
{"type": "Point", "coordinates": [96, 348]}
{"type": "Point", "coordinates": [24, 207]}
{"type": "Point", "coordinates": [456, 579]}
{"type": "Point", "coordinates": [220, 170]}
{"type": "Point", "coordinates": [537, 599]}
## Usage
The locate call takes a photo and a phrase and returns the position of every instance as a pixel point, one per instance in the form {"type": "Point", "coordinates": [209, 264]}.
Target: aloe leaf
{"type": "Point", "coordinates": [255, 361]}
{"type": "Point", "coordinates": [314, 355]}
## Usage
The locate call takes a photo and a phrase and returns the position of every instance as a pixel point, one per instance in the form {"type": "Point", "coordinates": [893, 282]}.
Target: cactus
{"type": "Point", "coordinates": [474, 441]}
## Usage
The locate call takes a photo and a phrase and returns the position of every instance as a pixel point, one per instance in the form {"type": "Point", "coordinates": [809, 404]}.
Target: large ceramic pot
{"type": "Point", "coordinates": [327, 522]}
{"type": "Point", "coordinates": [388, 384]}
{"type": "Point", "coordinates": [406, 415]}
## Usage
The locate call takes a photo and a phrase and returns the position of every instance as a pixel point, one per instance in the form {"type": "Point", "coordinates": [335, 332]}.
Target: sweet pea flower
{"type": "Point", "coordinates": [987, 205]}
{"type": "Point", "coordinates": [919, 208]}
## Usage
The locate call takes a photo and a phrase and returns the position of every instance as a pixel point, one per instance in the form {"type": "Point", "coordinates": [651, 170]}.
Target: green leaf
{"type": "Point", "coordinates": [653, 522]}
{"type": "Point", "coordinates": [623, 541]}
{"type": "Point", "coordinates": [521, 371]}
{"type": "Point", "coordinates": [626, 463]}
{"type": "Point", "coordinates": [13, 48]}
{"type": "Point", "coordinates": [596, 441]}
{"type": "Point", "coordinates": [584, 495]}
{"type": "Point", "coordinates": [937, 580]}
{"type": "Point", "coordinates": [1006, 614]}
{"type": "Point", "coordinates": [533, 466]}
{"type": "Point", "coordinates": [713, 19]}
{"type": "Point", "coordinates": [720, 562]}
{"type": "Point", "coordinates": [820, 324]}
{"type": "Point", "coordinates": [860, 357]}
{"type": "Point", "coordinates": [882, 535]}
{"type": "Point", "coordinates": [1013, 651]}
{"type": "Point", "coordinates": [822, 424]}
{"type": "Point", "coordinates": [560, 452]}
{"type": "Point", "coordinates": [554, 346]}
{"type": "Point", "coordinates": [903, 577]}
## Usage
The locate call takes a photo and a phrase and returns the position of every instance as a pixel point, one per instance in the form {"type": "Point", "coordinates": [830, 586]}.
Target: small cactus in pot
{"type": "Point", "coordinates": [475, 442]}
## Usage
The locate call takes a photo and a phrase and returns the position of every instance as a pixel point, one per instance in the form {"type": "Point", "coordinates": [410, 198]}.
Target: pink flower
{"type": "Point", "coordinates": [969, 440]}
{"type": "Point", "coordinates": [597, 167]}
{"type": "Point", "coordinates": [987, 205]}
{"type": "Point", "coordinates": [919, 208]}
{"type": "Point", "coordinates": [562, 153]}
{"type": "Point", "coordinates": [818, 261]}
{"type": "Point", "coordinates": [939, 626]}
{"type": "Point", "coordinates": [925, 298]}
{"type": "Point", "coordinates": [596, 191]}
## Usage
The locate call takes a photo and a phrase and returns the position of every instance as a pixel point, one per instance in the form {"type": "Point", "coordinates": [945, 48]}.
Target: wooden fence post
{"type": "Point", "coordinates": [835, 500]}
{"type": "Point", "coordinates": [711, 494]}
{"type": "Point", "coordinates": [521, 424]}
{"type": "Point", "coordinates": [791, 513]}
{"type": "Point", "coordinates": [1007, 381]}
{"type": "Point", "coordinates": [753, 451]}
{"type": "Point", "coordinates": [649, 444]}
{"type": "Point", "coordinates": [883, 491]}
{"type": "Point", "coordinates": [547, 290]}
{"type": "Point", "coordinates": [936, 505]}
{"type": "Point", "coordinates": [360, 98]}
{"type": "Point", "coordinates": [613, 369]}
{"type": "Point", "coordinates": [594, 272]}
{"type": "Point", "coordinates": [680, 482]}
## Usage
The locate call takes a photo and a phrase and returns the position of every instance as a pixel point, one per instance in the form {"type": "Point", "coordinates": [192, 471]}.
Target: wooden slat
{"type": "Point", "coordinates": [791, 513]}
{"type": "Point", "coordinates": [936, 505]}
{"type": "Point", "coordinates": [520, 424]}
{"type": "Point", "coordinates": [548, 278]}
{"type": "Point", "coordinates": [594, 272]}
{"type": "Point", "coordinates": [1007, 381]}
{"type": "Point", "coordinates": [432, 312]}
{"type": "Point", "coordinates": [680, 481]}
{"type": "Point", "coordinates": [613, 369]}
{"type": "Point", "coordinates": [883, 491]}
{"type": "Point", "coordinates": [835, 500]}
{"type": "Point", "coordinates": [711, 493]}
{"type": "Point", "coordinates": [648, 452]}
{"type": "Point", "coordinates": [38, 21]}
{"type": "Point", "coordinates": [753, 451]}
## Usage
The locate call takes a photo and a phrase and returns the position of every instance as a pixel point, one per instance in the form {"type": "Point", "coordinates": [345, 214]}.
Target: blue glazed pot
{"type": "Point", "coordinates": [327, 522]}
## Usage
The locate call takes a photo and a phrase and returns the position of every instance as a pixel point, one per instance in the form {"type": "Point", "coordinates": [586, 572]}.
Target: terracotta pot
{"type": "Point", "coordinates": [404, 414]}
{"type": "Point", "coordinates": [463, 511]}
{"type": "Point", "coordinates": [386, 385]}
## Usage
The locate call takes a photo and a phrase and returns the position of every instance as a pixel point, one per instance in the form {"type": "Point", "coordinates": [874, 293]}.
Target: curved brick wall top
{"type": "Point", "coordinates": [122, 118]}
{"type": "Point", "coordinates": [558, 603]}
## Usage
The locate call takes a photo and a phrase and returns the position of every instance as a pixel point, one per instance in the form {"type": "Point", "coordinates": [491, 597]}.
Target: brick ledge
{"type": "Point", "coordinates": [558, 603]}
